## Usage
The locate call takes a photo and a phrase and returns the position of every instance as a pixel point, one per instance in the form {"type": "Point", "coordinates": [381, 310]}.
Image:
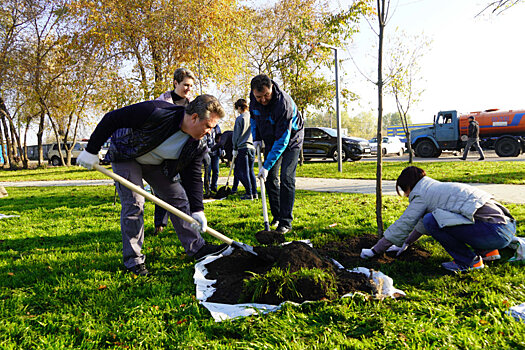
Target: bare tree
{"type": "Point", "coordinates": [404, 72]}
{"type": "Point", "coordinates": [382, 17]}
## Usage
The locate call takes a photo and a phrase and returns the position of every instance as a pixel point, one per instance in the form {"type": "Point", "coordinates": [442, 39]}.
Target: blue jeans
{"type": "Point", "coordinates": [282, 196]}
{"type": "Point", "coordinates": [244, 170]}
{"type": "Point", "coordinates": [481, 236]}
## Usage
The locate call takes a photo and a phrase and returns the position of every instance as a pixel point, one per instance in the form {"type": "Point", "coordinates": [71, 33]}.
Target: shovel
{"type": "Point", "coordinates": [267, 236]}
{"type": "Point", "coordinates": [225, 191]}
{"type": "Point", "coordinates": [263, 192]}
{"type": "Point", "coordinates": [172, 209]}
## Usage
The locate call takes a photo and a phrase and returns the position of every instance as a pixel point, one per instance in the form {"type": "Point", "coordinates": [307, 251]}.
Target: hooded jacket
{"type": "Point", "coordinates": [279, 124]}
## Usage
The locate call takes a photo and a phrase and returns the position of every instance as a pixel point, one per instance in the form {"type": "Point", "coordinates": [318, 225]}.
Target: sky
{"type": "Point", "coordinates": [474, 63]}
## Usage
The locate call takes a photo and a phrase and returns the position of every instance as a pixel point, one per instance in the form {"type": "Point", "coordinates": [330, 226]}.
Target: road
{"type": "Point", "coordinates": [490, 156]}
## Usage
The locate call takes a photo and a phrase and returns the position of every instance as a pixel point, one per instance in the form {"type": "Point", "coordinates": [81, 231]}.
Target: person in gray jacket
{"type": "Point", "coordinates": [469, 224]}
{"type": "Point", "coordinates": [243, 150]}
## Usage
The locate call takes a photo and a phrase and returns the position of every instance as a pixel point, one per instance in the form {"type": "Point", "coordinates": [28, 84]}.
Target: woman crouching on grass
{"type": "Point", "coordinates": [456, 215]}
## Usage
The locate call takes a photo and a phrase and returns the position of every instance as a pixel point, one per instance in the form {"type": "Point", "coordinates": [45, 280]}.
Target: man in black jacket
{"type": "Point", "coordinates": [280, 125]}
{"type": "Point", "coordinates": [163, 144]}
{"type": "Point", "coordinates": [473, 139]}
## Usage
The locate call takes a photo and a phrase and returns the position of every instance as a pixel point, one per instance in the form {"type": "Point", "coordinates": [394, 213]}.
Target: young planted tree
{"type": "Point", "coordinates": [404, 57]}
{"type": "Point", "coordinates": [382, 17]}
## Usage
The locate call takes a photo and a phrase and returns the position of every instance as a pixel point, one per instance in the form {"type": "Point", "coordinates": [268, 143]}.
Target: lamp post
{"type": "Point", "coordinates": [338, 113]}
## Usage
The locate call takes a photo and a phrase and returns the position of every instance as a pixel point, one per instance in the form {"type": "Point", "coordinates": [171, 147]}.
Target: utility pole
{"type": "Point", "coordinates": [338, 113]}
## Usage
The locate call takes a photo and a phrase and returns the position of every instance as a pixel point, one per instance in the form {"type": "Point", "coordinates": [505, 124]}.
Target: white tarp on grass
{"type": "Point", "coordinates": [221, 312]}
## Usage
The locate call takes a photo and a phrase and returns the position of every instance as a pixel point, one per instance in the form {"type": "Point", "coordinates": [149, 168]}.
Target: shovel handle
{"type": "Point", "coordinates": [263, 191]}
{"type": "Point", "coordinates": [160, 202]}
{"type": "Point", "coordinates": [231, 169]}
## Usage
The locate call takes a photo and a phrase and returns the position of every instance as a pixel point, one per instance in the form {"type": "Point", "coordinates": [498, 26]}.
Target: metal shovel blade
{"type": "Point", "coordinates": [246, 247]}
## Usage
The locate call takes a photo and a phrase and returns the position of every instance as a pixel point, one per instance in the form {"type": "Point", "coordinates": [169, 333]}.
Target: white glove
{"type": "Point", "coordinates": [402, 249]}
{"type": "Point", "coordinates": [202, 224]}
{"type": "Point", "coordinates": [234, 153]}
{"type": "Point", "coordinates": [263, 173]}
{"type": "Point", "coordinates": [367, 253]}
{"type": "Point", "coordinates": [398, 250]}
{"type": "Point", "coordinates": [223, 153]}
{"type": "Point", "coordinates": [393, 248]}
{"type": "Point", "coordinates": [87, 160]}
{"type": "Point", "coordinates": [258, 144]}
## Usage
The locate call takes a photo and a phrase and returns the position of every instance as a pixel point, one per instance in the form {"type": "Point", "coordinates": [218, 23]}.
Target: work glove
{"type": "Point", "coordinates": [201, 223]}
{"type": "Point", "coordinates": [367, 253]}
{"type": "Point", "coordinates": [223, 153]}
{"type": "Point", "coordinates": [87, 160]}
{"type": "Point", "coordinates": [263, 173]}
{"type": "Point", "coordinates": [235, 152]}
{"type": "Point", "coordinates": [397, 249]}
{"type": "Point", "coordinates": [258, 145]}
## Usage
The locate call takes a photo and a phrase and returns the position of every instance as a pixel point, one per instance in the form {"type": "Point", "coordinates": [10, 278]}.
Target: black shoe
{"type": "Point", "coordinates": [139, 270]}
{"type": "Point", "coordinates": [207, 195]}
{"type": "Point", "coordinates": [247, 197]}
{"type": "Point", "coordinates": [274, 222]}
{"type": "Point", "coordinates": [158, 230]}
{"type": "Point", "coordinates": [482, 158]}
{"type": "Point", "coordinates": [462, 158]}
{"type": "Point", "coordinates": [283, 229]}
{"type": "Point", "coordinates": [208, 249]}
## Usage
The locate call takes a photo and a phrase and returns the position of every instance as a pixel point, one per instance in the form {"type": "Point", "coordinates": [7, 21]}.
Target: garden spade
{"type": "Point", "coordinates": [225, 191]}
{"type": "Point", "coordinates": [173, 210]}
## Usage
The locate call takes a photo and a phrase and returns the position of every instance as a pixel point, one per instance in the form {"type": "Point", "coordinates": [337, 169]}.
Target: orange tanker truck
{"type": "Point", "coordinates": [503, 131]}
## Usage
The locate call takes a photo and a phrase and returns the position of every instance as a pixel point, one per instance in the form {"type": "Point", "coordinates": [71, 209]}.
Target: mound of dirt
{"type": "Point", "coordinates": [231, 271]}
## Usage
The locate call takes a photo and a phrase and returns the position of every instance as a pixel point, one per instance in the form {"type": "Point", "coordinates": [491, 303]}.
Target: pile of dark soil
{"type": "Point", "coordinates": [231, 271]}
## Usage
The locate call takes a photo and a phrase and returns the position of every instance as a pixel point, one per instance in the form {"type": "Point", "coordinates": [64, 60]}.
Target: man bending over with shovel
{"type": "Point", "coordinates": [163, 144]}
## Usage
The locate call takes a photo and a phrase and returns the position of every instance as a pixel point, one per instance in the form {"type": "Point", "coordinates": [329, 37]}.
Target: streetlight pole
{"type": "Point", "coordinates": [338, 113]}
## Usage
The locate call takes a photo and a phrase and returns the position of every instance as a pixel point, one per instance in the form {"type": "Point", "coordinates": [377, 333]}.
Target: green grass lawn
{"type": "Point", "coordinates": [500, 172]}
{"type": "Point", "coordinates": [62, 284]}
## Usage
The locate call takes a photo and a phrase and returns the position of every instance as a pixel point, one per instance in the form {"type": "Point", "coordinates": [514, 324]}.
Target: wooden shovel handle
{"type": "Point", "coordinates": [160, 202]}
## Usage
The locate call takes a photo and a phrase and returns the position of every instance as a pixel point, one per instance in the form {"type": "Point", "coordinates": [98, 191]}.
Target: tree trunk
{"type": "Point", "coordinates": [381, 11]}
{"type": "Point", "coordinates": [39, 135]}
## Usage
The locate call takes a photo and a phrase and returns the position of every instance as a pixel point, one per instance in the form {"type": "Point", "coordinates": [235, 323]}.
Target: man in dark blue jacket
{"type": "Point", "coordinates": [163, 144]}
{"type": "Point", "coordinates": [280, 125]}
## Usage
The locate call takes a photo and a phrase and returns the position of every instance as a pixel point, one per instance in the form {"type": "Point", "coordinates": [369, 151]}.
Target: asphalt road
{"type": "Point", "coordinates": [490, 156]}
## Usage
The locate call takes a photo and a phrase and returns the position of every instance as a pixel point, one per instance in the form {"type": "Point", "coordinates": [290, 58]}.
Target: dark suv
{"type": "Point", "coordinates": [322, 143]}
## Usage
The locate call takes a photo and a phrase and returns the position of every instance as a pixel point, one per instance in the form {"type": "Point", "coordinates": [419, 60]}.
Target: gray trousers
{"type": "Point", "coordinates": [132, 213]}
{"type": "Point", "coordinates": [475, 142]}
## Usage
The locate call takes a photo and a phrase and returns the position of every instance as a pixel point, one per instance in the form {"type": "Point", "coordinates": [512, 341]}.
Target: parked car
{"type": "Point", "coordinates": [322, 143]}
{"type": "Point", "coordinates": [54, 157]}
{"type": "Point", "coordinates": [390, 145]}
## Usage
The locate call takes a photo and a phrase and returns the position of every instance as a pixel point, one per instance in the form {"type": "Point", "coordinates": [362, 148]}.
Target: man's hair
{"type": "Point", "coordinates": [408, 178]}
{"type": "Point", "coordinates": [204, 105]}
{"type": "Point", "coordinates": [181, 73]}
{"type": "Point", "coordinates": [260, 81]}
{"type": "Point", "coordinates": [241, 103]}
{"type": "Point", "coordinates": [471, 117]}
